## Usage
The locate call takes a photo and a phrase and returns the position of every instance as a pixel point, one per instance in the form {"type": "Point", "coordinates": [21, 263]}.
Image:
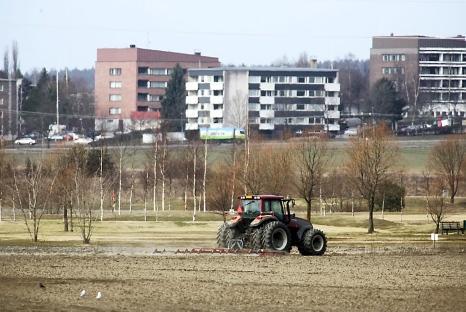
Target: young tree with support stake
{"type": "Point", "coordinates": [371, 158]}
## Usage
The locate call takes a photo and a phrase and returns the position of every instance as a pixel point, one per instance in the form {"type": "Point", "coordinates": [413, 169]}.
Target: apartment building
{"type": "Point", "coordinates": [8, 108]}
{"type": "Point", "coordinates": [270, 100]}
{"type": "Point", "coordinates": [435, 68]}
{"type": "Point", "coordinates": [130, 83]}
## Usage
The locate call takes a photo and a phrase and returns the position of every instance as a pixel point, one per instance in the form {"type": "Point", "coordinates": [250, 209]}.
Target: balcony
{"type": "Point", "coordinates": [216, 99]}
{"type": "Point", "coordinates": [332, 87]}
{"type": "Point", "coordinates": [266, 114]}
{"type": "Point", "coordinates": [192, 99]}
{"type": "Point", "coordinates": [267, 86]}
{"type": "Point", "coordinates": [216, 86]}
{"type": "Point", "coordinates": [332, 114]}
{"type": "Point", "coordinates": [267, 100]}
{"type": "Point", "coordinates": [332, 127]}
{"type": "Point", "coordinates": [332, 101]}
{"type": "Point", "coordinates": [191, 86]}
{"type": "Point", "coordinates": [192, 113]}
{"type": "Point", "coordinates": [266, 126]}
{"type": "Point", "coordinates": [191, 126]}
{"type": "Point", "coordinates": [217, 113]}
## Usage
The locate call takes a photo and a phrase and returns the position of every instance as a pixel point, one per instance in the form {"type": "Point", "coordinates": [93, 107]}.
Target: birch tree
{"type": "Point", "coordinates": [33, 187]}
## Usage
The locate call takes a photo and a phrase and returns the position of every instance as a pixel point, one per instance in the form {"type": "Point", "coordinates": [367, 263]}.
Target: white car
{"type": "Point", "coordinates": [82, 141]}
{"type": "Point", "coordinates": [25, 141]}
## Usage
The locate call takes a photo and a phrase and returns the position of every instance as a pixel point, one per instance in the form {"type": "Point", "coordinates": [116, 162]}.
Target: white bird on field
{"type": "Point", "coordinates": [99, 295]}
{"type": "Point", "coordinates": [82, 293]}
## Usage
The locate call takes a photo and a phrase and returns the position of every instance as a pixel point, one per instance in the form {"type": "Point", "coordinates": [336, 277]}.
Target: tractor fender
{"type": "Point", "coordinates": [260, 220]}
{"type": "Point", "coordinates": [303, 225]}
{"type": "Point", "coordinates": [234, 222]}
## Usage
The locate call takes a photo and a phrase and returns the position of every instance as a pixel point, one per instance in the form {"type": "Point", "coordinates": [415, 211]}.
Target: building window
{"type": "Point", "coordinates": [1, 101]}
{"type": "Point", "coordinates": [393, 70]}
{"type": "Point", "coordinates": [115, 71]}
{"type": "Point", "coordinates": [218, 106]}
{"type": "Point", "coordinates": [218, 92]}
{"type": "Point", "coordinates": [115, 84]}
{"type": "Point", "coordinates": [266, 107]}
{"type": "Point", "coordinates": [1, 88]}
{"type": "Point", "coordinates": [452, 70]}
{"type": "Point", "coordinates": [265, 120]}
{"type": "Point", "coordinates": [218, 120]}
{"type": "Point", "coordinates": [299, 106]}
{"type": "Point", "coordinates": [265, 78]}
{"type": "Point", "coordinates": [169, 71]}
{"type": "Point", "coordinates": [301, 79]}
{"type": "Point", "coordinates": [153, 98]}
{"type": "Point", "coordinates": [115, 97]}
{"type": "Point", "coordinates": [157, 71]}
{"type": "Point", "coordinates": [157, 84]}
{"type": "Point", "coordinates": [115, 110]}
{"type": "Point", "coordinates": [452, 57]}
{"type": "Point", "coordinates": [203, 92]}
{"type": "Point", "coordinates": [218, 78]}
{"type": "Point", "coordinates": [394, 57]}
{"type": "Point", "coordinates": [300, 93]}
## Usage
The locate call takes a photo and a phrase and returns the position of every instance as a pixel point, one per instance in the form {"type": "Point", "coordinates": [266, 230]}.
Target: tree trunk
{"type": "Point", "coordinates": [452, 198]}
{"type": "Point", "coordinates": [154, 189]}
{"type": "Point", "coordinates": [71, 217]}
{"type": "Point", "coordinates": [101, 183]}
{"type": "Point", "coordinates": [437, 227]}
{"type": "Point", "coordinates": [131, 195]}
{"type": "Point", "coordinates": [0, 210]}
{"type": "Point", "coordinates": [119, 182]}
{"type": "Point", "coordinates": [205, 172]}
{"type": "Point", "coordinates": [370, 204]}
{"type": "Point", "coordinates": [65, 218]}
{"type": "Point", "coordinates": [309, 206]}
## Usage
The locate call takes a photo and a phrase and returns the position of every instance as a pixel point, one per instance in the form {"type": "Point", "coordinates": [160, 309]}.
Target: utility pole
{"type": "Point", "coordinates": [58, 115]}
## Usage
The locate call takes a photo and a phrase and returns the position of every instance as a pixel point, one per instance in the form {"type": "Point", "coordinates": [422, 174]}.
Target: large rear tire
{"type": "Point", "coordinates": [233, 238]}
{"type": "Point", "coordinates": [313, 243]}
{"type": "Point", "coordinates": [256, 238]}
{"type": "Point", "coordinates": [221, 236]}
{"type": "Point", "coordinates": [276, 236]}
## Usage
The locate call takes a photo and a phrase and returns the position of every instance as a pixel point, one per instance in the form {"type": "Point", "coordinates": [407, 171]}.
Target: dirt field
{"type": "Point", "coordinates": [342, 280]}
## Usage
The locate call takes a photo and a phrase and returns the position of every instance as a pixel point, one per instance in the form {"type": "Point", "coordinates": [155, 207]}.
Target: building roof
{"type": "Point", "coordinates": [265, 68]}
{"type": "Point", "coordinates": [147, 55]}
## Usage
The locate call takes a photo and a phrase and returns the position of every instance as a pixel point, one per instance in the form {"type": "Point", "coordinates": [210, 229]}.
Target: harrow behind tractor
{"type": "Point", "coordinates": [264, 223]}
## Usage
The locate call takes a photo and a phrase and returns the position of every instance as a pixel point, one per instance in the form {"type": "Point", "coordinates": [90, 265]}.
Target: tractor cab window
{"type": "Point", "coordinates": [274, 206]}
{"type": "Point", "coordinates": [251, 207]}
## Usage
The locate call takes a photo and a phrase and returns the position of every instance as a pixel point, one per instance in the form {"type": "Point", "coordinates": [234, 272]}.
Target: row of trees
{"type": "Point", "coordinates": [82, 183]}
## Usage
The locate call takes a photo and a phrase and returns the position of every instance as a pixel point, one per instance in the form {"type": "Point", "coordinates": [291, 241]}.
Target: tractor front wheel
{"type": "Point", "coordinates": [276, 236]}
{"type": "Point", "coordinates": [313, 243]}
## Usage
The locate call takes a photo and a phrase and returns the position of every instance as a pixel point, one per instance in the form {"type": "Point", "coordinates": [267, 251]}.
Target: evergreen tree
{"type": "Point", "coordinates": [174, 101]}
{"type": "Point", "coordinates": [385, 99]}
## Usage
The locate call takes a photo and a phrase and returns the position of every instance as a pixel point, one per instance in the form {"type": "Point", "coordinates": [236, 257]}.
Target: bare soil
{"type": "Point", "coordinates": [138, 280]}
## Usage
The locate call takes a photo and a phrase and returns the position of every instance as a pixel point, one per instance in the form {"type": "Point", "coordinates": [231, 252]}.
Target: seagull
{"type": "Point", "coordinates": [99, 295]}
{"type": "Point", "coordinates": [83, 293]}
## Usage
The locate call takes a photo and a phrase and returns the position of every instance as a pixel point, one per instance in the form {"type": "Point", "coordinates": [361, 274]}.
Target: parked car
{"type": "Point", "coordinates": [82, 140]}
{"type": "Point", "coordinates": [55, 137]}
{"type": "Point", "coordinates": [25, 141]}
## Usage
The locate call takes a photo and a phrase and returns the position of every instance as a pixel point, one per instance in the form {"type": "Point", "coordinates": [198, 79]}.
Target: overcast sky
{"type": "Point", "coordinates": [55, 34]}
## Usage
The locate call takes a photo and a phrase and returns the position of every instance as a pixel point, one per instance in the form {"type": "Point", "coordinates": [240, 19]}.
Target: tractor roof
{"type": "Point", "coordinates": [261, 197]}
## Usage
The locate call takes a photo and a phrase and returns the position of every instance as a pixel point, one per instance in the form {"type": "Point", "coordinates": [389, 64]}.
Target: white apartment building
{"type": "Point", "coordinates": [271, 100]}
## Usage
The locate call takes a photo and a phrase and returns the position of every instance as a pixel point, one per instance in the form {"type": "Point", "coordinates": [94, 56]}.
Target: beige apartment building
{"type": "Point", "coordinates": [130, 83]}
{"type": "Point", "coordinates": [431, 69]}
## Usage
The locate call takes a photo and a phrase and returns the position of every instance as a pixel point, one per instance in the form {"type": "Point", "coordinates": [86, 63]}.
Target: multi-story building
{"type": "Point", "coordinates": [271, 100]}
{"type": "Point", "coordinates": [431, 69]}
{"type": "Point", "coordinates": [130, 83]}
{"type": "Point", "coordinates": [8, 108]}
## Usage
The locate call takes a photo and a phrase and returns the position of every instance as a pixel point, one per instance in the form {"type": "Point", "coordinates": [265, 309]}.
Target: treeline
{"type": "Point", "coordinates": [86, 185]}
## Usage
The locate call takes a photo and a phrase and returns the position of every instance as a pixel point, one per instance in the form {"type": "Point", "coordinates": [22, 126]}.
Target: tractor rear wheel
{"type": "Point", "coordinates": [313, 243]}
{"type": "Point", "coordinates": [256, 238]}
{"type": "Point", "coordinates": [233, 238]}
{"type": "Point", "coordinates": [276, 236]}
{"type": "Point", "coordinates": [221, 236]}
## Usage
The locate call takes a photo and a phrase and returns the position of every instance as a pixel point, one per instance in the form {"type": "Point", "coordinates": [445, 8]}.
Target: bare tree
{"type": "Point", "coordinates": [436, 205]}
{"type": "Point", "coordinates": [163, 169]}
{"type": "Point", "coordinates": [447, 159]}
{"type": "Point", "coordinates": [370, 160]}
{"type": "Point", "coordinates": [121, 156]}
{"type": "Point", "coordinates": [14, 56]}
{"type": "Point", "coordinates": [32, 188]}
{"type": "Point", "coordinates": [311, 159]}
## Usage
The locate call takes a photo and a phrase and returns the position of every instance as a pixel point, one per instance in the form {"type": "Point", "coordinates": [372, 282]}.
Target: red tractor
{"type": "Point", "coordinates": [265, 222]}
